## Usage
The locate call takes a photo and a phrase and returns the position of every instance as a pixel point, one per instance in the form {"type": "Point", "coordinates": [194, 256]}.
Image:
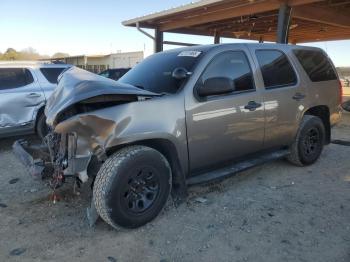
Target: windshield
{"type": "Point", "coordinates": [155, 72]}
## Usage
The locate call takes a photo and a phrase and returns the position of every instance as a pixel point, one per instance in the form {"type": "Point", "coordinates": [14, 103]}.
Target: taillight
{"type": "Point", "coordinates": [340, 92]}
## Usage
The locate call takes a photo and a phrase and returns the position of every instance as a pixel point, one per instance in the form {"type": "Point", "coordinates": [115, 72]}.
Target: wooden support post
{"type": "Point", "coordinates": [216, 38]}
{"type": "Point", "coordinates": [284, 15]}
{"type": "Point", "coordinates": [158, 41]}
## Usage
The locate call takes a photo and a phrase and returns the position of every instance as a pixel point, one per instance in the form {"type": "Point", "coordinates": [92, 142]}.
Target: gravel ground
{"type": "Point", "coordinates": [275, 212]}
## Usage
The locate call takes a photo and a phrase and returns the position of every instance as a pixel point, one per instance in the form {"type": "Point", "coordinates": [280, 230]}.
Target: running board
{"type": "Point", "coordinates": [237, 167]}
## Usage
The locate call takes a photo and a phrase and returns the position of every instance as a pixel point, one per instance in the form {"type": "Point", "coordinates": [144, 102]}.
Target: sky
{"type": "Point", "coordinates": [94, 27]}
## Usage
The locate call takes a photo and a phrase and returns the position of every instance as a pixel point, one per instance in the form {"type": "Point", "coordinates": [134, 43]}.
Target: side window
{"type": "Point", "coordinates": [115, 75]}
{"type": "Point", "coordinates": [276, 69]}
{"type": "Point", "coordinates": [104, 73]}
{"type": "Point", "coordinates": [51, 74]}
{"type": "Point", "coordinates": [316, 64]}
{"type": "Point", "coordinates": [233, 65]}
{"type": "Point", "coordinates": [14, 78]}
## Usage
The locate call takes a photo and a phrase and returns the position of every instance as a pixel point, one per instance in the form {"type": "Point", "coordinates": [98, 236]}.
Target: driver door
{"type": "Point", "coordinates": [223, 127]}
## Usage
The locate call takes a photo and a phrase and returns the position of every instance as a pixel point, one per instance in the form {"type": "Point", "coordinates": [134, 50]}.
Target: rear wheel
{"type": "Point", "coordinates": [309, 141]}
{"type": "Point", "coordinates": [132, 186]}
{"type": "Point", "coordinates": [346, 106]}
{"type": "Point", "coordinates": [41, 127]}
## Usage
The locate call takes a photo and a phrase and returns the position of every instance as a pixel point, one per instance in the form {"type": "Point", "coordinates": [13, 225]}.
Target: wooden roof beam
{"type": "Point", "coordinates": [306, 39]}
{"type": "Point", "coordinates": [322, 15]}
{"type": "Point", "coordinates": [236, 11]}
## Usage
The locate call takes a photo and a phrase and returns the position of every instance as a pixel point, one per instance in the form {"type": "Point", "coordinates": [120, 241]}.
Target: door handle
{"type": "Point", "coordinates": [252, 106]}
{"type": "Point", "coordinates": [298, 96]}
{"type": "Point", "coordinates": [33, 95]}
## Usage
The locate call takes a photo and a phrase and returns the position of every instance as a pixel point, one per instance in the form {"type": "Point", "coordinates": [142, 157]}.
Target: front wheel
{"type": "Point", "coordinates": [132, 186]}
{"type": "Point", "coordinates": [308, 144]}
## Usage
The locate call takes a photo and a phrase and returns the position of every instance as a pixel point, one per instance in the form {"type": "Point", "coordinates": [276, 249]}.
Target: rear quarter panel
{"type": "Point", "coordinates": [46, 87]}
{"type": "Point", "coordinates": [325, 93]}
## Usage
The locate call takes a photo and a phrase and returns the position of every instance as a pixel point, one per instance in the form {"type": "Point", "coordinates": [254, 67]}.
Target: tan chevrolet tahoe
{"type": "Point", "coordinates": [184, 117]}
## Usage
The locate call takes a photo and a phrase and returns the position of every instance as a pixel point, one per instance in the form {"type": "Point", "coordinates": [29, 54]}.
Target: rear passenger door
{"type": "Point", "coordinates": [20, 98]}
{"type": "Point", "coordinates": [283, 95]}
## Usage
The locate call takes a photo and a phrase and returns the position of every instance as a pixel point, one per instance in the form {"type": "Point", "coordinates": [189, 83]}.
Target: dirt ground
{"type": "Point", "coordinates": [275, 212]}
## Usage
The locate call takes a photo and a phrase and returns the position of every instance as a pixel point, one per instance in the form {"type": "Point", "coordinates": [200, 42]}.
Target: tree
{"type": "Point", "coordinates": [26, 54]}
{"type": "Point", "coordinates": [29, 54]}
{"type": "Point", "coordinates": [10, 54]}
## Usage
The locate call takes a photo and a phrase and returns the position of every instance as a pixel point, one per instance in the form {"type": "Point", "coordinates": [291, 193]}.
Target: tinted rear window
{"type": "Point", "coordinates": [316, 64]}
{"type": "Point", "coordinates": [275, 68]}
{"type": "Point", "coordinates": [51, 74]}
{"type": "Point", "coordinates": [14, 77]}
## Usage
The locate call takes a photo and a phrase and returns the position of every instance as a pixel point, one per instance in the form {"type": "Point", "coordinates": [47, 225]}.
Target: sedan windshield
{"type": "Point", "coordinates": [155, 72]}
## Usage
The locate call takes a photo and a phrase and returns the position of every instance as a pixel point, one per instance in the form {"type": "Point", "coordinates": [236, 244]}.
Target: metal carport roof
{"type": "Point", "coordinates": [294, 21]}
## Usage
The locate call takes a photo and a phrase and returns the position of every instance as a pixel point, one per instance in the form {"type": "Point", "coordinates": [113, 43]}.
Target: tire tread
{"type": "Point", "coordinates": [104, 177]}
{"type": "Point", "coordinates": [294, 156]}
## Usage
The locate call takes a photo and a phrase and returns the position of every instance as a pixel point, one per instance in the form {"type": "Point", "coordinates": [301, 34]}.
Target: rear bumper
{"type": "Point", "coordinates": [346, 99]}
{"type": "Point", "coordinates": [35, 158]}
{"type": "Point", "coordinates": [346, 94]}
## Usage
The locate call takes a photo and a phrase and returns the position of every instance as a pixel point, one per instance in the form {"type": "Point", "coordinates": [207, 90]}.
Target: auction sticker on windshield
{"type": "Point", "coordinates": [190, 53]}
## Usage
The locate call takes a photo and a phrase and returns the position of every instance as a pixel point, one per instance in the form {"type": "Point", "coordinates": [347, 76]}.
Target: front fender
{"type": "Point", "coordinates": [103, 129]}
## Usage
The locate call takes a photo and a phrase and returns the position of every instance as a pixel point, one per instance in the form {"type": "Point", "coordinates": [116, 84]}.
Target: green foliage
{"type": "Point", "coordinates": [26, 54]}
{"type": "Point", "coordinates": [10, 54]}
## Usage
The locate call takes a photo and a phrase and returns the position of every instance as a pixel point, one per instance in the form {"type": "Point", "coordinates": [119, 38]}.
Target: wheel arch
{"type": "Point", "coordinates": [168, 150]}
{"type": "Point", "coordinates": [38, 113]}
{"type": "Point", "coordinates": [322, 111]}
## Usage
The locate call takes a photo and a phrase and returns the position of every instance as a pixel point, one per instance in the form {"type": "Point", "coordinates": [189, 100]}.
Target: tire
{"type": "Point", "coordinates": [309, 142]}
{"type": "Point", "coordinates": [346, 106]}
{"type": "Point", "coordinates": [132, 187]}
{"type": "Point", "coordinates": [41, 127]}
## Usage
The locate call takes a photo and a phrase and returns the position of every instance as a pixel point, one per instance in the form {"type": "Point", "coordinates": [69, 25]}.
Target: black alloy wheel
{"type": "Point", "coordinates": [311, 142]}
{"type": "Point", "coordinates": [141, 190]}
{"type": "Point", "coordinates": [132, 186]}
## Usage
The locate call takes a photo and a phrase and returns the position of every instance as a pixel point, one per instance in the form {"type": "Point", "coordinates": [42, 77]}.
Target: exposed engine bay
{"type": "Point", "coordinates": [69, 112]}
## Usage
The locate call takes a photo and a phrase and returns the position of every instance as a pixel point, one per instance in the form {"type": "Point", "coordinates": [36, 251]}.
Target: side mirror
{"type": "Point", "coordinates": [180, 73]}
{"type": "Point", "coordinates": [216, 86]}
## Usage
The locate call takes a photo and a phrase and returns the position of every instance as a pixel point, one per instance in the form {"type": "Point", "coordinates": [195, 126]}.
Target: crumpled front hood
{"type": "Point", "coordinates": [76, 85]}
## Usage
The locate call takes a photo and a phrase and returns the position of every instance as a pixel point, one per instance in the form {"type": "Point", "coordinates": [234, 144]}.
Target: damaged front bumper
{"type": "Point", "coordinates": [55, 157]}
{"type": "Point", "coordinates": [35, 158]}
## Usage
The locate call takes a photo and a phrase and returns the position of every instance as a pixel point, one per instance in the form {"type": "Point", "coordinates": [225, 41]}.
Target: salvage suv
{"type": "Point", "coordinates": [184, 117]}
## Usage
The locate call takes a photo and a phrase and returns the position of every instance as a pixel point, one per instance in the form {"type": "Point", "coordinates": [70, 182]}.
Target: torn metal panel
{"type": "Point", "coordinates": [77, 85]}
{"type": "Point", "coordinates": [90, 114]}
{"type": "Point", "coordinates": [103, 129]}
{"type": "Point", "coordinates": [34, 158]}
